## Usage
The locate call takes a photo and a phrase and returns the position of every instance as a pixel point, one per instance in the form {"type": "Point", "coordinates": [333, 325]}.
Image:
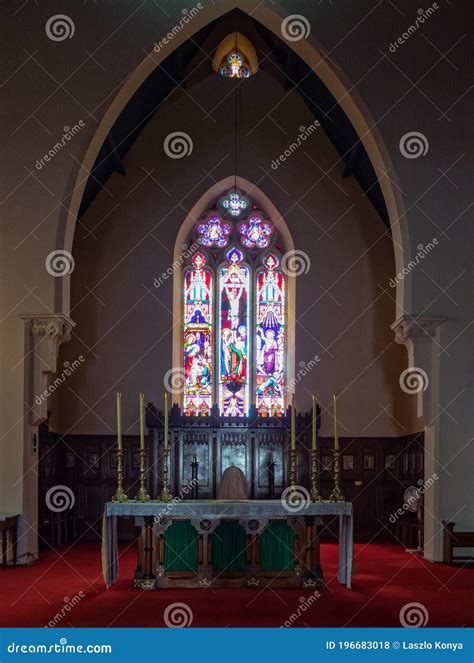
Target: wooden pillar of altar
{"type": "Point", "coordinates": [204, 553]}
{"type": "Point", "coordinates": [144, 576]}
{"type": "Point", "coordinates": [312, 574]}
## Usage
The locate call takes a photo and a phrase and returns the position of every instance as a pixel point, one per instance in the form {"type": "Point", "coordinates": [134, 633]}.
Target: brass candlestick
{"type": "Point", "coordinates": [292, 471]}
{"type": "Point", "coordinates": [120, 494]}
{"type": "Point", "coordinates": [142, 495]}
{"type": "Point", "coordinates": [315, 496]}
{"type": "Point", "coordinates": [165, 495]}
{"type": "Point", "coordinates": [336, 495]}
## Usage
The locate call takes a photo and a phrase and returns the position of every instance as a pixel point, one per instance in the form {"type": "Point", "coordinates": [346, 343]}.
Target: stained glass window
{"type": "Point", "coordinates": [270, 338]}
{"type": "Point", "coordinates": [234, 295]}
{"type": "Point", "coordinates": [234, 203]}
{"type": "Point", "coordinates": [243, 362]}
{"type": "Point", "coordinates": [198, 326]}
{"type": "Point", "coordinates": [255, 233]}
{"type": "Point", "coordinates": [214, 232]}
{"type": "Point", "coordinates": [235, 66]}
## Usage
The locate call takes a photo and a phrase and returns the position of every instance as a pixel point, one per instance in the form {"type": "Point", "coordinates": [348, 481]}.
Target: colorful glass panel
{"type": "Point", "coordinates": [198, 326]}
{"type": "Point", "coordinates": [234, 291]}
{"type": "Point", "coordinates": [235, 66]}
{"type": "Point", "coordinates": [234, 203]}
{"type": "Point", "coordinates": [255, 233]}
{"type": "Point", "coordinates": [270, 339]}
{"type": "Point", "coordinates": [214, 232]}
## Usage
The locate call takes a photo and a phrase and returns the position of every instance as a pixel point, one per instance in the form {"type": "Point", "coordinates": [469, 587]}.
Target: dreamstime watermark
{"type": "Point", "coordinates": [61, 647]}
{"type": "Point", "coordinates": [423, 15]}
{"type": "Point", "coordinates": [413, 380]}
{"type": "Point", "coordinates": [423, 250]}
{"type": "Point", "coordinates": [188, 15]}
{"type": "Point", "coordinates": [295, 498]}
{"type": "Point", "coordinates": [174, 379]}
{"type": "Point", "coordinates": [295, 27]}
{"type": "Point", "coordinates": [60, 498]}
{"type": "Point", "coordinates": [413, 145]}
{"type": "Point", "coordinates": [60, 27]}
{"type": "Point", "coordinates": [304, 369]}
{"type": "Point", "coordinates": [295, 263]}
{"type": "Point", "coordinates": [305, 132]}
{"type": "Point", "coordinates": [178, 615]}
{"type": "Point", "coordinates": [68, 133]}
{"type": "Point", "coordinates": [59, 263]}
{"type": "Point", "coordinates": [414, 498]}
{"type": "Point", "coordinates": [413, 615]}
{"type": "Point", "coordinates": [69, 604]}
{"type": "Point", "coordinates": [178, 144]}
{"type": "Point", "coordinates": [187, 488]}
{"type": "Point", "coordinates": [305, 603]}
{"type": "Point", "coordinates": [187, 252]}
{"type": "Point", "coordinates": [68, 370]}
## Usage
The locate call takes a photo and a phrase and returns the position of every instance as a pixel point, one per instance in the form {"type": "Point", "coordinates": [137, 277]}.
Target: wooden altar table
{"type": "Point", "coordinates": [155, 517]}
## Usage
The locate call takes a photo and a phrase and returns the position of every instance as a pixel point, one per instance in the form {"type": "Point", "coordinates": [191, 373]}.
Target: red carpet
{"type": "Point", "coordinates": [386, 579]}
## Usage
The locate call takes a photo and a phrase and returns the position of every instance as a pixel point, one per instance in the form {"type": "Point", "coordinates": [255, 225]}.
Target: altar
{"type": "Point", "coordinates": [229, 506]}
{"type": "Point", "coordinates": [268, 542]}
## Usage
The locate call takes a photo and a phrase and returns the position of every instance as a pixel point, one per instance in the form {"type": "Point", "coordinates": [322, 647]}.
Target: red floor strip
{"type": "Point", "coordinates": [65, 588]}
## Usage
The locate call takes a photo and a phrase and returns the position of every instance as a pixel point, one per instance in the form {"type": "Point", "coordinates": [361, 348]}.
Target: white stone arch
{"type": "Point", "coordinates": [198, 210]}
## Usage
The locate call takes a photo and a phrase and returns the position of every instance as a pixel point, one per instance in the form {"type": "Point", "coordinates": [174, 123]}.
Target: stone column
{"type": "Point", "coordinates": [421, 336]}
{"type": "Point", "coordinates": [44, 333]}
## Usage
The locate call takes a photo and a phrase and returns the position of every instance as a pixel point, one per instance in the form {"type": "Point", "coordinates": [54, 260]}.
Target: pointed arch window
{"type": "Point", "coordinates": [234, 284]}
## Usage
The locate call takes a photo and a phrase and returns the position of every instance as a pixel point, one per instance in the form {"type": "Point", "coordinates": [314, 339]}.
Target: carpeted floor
{"type": "Point", "coordinates": [68, 583]}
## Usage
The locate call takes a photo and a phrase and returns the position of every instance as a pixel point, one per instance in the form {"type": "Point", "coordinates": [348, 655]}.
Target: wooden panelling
{"type": "Point", "coordinates": [374, 472]}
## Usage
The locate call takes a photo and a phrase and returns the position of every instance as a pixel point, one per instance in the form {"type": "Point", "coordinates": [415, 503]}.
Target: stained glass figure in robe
{"type": "Point", "coordinates": [198, 338]}
{"type": "Point", "coordinates": [270, 338]}
{"type": "Point", "coordinates": [233, 336]}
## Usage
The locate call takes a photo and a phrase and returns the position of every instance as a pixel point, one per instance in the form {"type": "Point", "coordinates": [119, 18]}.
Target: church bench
{"type": "Point", "coordinates": [452, 539]}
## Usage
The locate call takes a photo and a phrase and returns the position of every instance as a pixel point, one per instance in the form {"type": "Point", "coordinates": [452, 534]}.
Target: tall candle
{"type": "Point", "coordinates": [293, 423]}
{"type": "Point", "coordinates": [166, 420]}
{"type": "Point", "coordinates": [314, 432]}
{"type": "Point", "coordinates": [119, 420]}
{"type": "Point", "coordinates": [336, 438]}
{"type": "Point", "coordinates": [142, 421]}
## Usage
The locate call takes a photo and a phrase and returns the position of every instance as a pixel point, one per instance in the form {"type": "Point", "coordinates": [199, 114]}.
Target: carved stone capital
{"type": "Point", "coordinates": [420, 335]}
{"type": "Point", "coordinates": [45, 332]}
{"type": "Point", "coordinates": [413, 327]}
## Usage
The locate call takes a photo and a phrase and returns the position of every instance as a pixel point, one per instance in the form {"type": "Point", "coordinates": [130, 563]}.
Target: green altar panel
{"type": "Point", "coordinates": [181, 547]}
{"type": "Point", "coordinates": [277, 546]}
{"type": "Point", "coordinates": [228, 546]}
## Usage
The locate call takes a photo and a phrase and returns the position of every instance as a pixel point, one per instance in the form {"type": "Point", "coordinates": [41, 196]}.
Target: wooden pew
{"type": "Point", "coordinates": [452, 539]}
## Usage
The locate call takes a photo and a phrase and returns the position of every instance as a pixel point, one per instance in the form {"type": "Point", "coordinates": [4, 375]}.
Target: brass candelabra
{"type": "Point", "coordinates": [314, 493]}
{"type": "Point", "coordinates": [336, 495]}
{"type": "Point", "coordinates": [120, 494]}
{"type": "Point", "coordinates": [142, 495]}
{"type": "Point", "coordinates": [165, 495]}
{"type": "Point", "coordinates": [292, 469]}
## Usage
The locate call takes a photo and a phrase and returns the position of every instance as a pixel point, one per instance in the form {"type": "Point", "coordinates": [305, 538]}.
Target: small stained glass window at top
{"type": "Point", "coordinates": [234, 203]}
{"type": "Point", "coordinates": [214, 232]}
{"type": "Point", "coordinates": [255, 233]}
{"type": "Point", "coordinates": [235, 66]}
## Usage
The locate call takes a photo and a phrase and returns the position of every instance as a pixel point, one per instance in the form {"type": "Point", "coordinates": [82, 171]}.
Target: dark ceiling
{"type": "Point", "coordinates": [155, 89]}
